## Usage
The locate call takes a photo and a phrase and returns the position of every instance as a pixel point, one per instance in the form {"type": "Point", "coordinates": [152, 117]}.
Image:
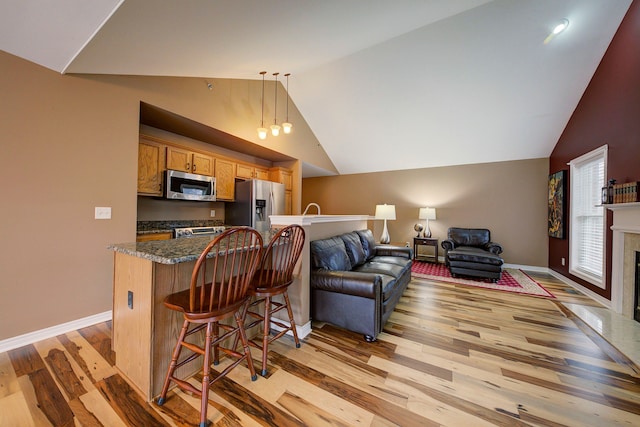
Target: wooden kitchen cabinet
{"type": "Point", "coordinates": [151, 161]}
{"type": "Point", "coordinates": [154, 236]}
{"type": "Point", "coordinates": [284, 176]}
{"type": "Point", "coordinates": [189, 161]}
{"type": "Point", "coordinates": [244, 171]}
{"type": "Point", "coordinates": [262, 173]}
{"type": "Point", "coordinates": [225, 180]}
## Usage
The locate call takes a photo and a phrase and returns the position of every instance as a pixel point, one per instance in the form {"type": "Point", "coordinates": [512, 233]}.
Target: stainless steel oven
{"type": "Point", "coordinates": [197, 231]}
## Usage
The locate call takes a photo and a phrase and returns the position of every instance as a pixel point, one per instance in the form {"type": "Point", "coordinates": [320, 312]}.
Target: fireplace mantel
{"type": "Point", "coordinates": [626, 226]}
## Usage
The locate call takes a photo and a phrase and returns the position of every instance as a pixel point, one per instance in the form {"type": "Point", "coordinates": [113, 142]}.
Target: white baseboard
{"type": "Point", "coordinates": [527, 267]}
{"type": "Point", "coordinates": [43, 334]}
{"type": "Point", "coordinates": [302, 331]}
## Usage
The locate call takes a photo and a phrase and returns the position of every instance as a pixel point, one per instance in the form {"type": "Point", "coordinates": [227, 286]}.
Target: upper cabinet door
{"type": "Point", "coordinates": [188, 161]}
{"type": "Point", "coordinates": [202, 164]}
{"type": "Point", "coordinates": [150, 168]}
{"type": "Point", "coordinates": [262, 173]}
{"type": "Point", "coordinates": [225, 180]}
{"type": "Point", "coordinates": [244, 171]}
{"type": "Point", "coordinates": [178, 159]}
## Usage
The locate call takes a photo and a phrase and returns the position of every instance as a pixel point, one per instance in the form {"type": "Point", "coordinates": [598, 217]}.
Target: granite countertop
{"type": "Point", "coordinates": [172, 251]}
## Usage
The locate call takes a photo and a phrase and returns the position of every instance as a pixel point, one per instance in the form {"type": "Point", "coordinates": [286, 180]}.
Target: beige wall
{"type": "Point", "coordinates": [69, 144]}
{"type": "Point", "coordinates": [509, 198]}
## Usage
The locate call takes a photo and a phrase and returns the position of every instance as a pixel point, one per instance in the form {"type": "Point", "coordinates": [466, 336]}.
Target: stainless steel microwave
{"type": "Point", "coordinates": [189, 186]}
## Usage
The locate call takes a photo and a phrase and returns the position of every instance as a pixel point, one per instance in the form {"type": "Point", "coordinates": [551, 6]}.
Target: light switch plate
{"type": "Point", "coordinates": [103, 212]}
{"type": "Point", "coordinates": [213, 213]}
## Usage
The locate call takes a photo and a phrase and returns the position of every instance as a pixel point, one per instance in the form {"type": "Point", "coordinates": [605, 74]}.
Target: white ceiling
{"type": "Point", "coordinates": [383, 84]}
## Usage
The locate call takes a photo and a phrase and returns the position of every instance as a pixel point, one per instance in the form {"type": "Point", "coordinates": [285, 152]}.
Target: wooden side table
{"type": "Point", "coordinates": [425, 241]}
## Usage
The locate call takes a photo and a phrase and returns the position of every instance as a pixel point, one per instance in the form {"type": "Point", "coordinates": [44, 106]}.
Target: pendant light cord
{"type": "Point", "coordinates": [287, 76]}
{"type": "Point", "coordinates": [262, 117]}
{"type": "Point", "coordinates": [275, 102]}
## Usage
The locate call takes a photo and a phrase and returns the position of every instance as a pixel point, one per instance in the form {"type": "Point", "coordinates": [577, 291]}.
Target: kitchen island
{"type": "Point", "coordinates": [144, 330]}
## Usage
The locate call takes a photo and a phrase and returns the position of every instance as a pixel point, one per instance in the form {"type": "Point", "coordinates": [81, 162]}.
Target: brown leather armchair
{"type": "Point", "coordinates": [470, 252]}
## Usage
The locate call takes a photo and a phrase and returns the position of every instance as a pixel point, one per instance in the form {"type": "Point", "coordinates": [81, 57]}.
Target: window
{"type": "Point", "coordinates": [587, 221]}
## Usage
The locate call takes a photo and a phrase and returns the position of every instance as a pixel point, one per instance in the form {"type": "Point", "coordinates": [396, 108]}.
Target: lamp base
{"type": "Point", "coordinates": [385, 239]}
{"type": "Point", "coordinates": [427, 231]}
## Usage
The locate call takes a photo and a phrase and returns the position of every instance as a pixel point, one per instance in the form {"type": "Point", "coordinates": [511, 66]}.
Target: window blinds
{"type": "Point", "coordinates": [587, 216]}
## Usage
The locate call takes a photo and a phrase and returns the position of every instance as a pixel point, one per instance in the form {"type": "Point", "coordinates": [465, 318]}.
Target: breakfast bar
{"type": "Point", "coordinates": [144, 331]}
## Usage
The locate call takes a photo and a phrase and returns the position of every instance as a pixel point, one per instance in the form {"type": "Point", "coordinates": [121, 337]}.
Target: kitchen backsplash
{"type": "Point", "coordinates": [152, 209]}
{"type": "Point", "coordinates": [143, 226]}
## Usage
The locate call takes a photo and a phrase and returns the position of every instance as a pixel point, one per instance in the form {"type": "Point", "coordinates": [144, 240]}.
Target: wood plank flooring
{"type": "Point", "coordinates": [450, 355]}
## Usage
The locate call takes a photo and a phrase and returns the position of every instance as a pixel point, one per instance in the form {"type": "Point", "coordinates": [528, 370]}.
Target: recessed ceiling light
{"type": "Point", "coordinates": [561, 26]}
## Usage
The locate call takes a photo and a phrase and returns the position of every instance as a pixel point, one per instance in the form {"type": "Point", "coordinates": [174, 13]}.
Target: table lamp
{"type": "Point", "coordinates": [427, 214]}
{"type": "Point", "coordinates": [385, 212]}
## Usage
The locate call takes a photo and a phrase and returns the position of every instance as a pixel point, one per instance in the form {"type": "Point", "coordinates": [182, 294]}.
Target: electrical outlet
{"type": "Point", "coordinates": [213, 213]}
{"type": "Point", "coordinates": [103, 213]}
{"type": "Point", "coordinates": [562, 261]}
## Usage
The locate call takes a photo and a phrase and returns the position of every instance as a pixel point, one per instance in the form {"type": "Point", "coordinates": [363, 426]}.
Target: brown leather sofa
{"type": "Point", "coordinates": [470, 252]}
{"type": "Point", "coordinates": [356, 283]}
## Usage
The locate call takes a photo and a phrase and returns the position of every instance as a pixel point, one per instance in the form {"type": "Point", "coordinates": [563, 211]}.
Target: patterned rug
{"type": "Point", "coordinates": [513, 280]}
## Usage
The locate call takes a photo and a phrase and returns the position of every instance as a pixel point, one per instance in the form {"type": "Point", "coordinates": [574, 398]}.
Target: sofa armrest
{"type": "Point", "coordinates": [367, 285]}
{"type": "Point", "coordinates": [494, 248]}
{"type": "Point", "coordinates": [448, 244]}
{"type": "Point", "coordinates": [399, 251]}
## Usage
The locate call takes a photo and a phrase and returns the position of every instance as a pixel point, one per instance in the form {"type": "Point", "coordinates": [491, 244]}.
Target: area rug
{"type": "Point", "coordinates": [513, 280]}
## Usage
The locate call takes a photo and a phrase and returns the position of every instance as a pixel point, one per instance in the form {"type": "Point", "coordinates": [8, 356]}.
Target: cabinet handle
{"type": "Point", "coordinates": [188, 166]}
{"type": "Point", "coordinates": [194, 168]}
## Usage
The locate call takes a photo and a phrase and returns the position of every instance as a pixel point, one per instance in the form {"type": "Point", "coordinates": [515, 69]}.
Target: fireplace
{"type": "Point", "coordinates": [624, 263]}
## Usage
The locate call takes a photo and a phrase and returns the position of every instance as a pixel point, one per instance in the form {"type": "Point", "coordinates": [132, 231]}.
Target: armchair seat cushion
{"type": "Point", "coordinates": [474, 255]}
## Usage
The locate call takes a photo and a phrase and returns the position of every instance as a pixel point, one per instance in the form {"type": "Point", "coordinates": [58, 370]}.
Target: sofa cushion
{"type": "Point", "coordinates": [368, 243]}
{"type": "Point", "coordinates": [330, 254]}
{"type": "Point", "coordinates": [354, 248]}
{"type": "Point", "coordinates": [403, 262]}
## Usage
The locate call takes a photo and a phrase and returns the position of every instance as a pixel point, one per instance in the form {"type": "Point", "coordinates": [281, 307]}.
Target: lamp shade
{"type": "Point", "coordinates": [427, 213]}
{"type": "Point", "coordinates": [385, 211]}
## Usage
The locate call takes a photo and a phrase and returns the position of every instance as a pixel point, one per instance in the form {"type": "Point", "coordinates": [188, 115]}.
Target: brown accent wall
{"type": "Point", "coordinates": [68, 144]}
{"type": "Point", "coordinates": [509, 198]}
{"type": "Point", "coordinates": [608, 113]}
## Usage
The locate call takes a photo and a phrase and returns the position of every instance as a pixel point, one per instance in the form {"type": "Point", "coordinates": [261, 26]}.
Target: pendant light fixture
{"type": "Point", "coordinates": [286, 126]}
{"type": "Point", "coordinates": [275, 129]}
{"type": "Point", "coordinates": [262, 131]}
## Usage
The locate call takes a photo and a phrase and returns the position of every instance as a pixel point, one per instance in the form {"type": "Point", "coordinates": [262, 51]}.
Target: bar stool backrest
{"type": "Point", "coordinates": [280, 257]}
{"type": "Point", "coordinates": [224, 270]}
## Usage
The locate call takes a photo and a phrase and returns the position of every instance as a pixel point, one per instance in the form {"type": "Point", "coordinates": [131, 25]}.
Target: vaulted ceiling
{"type": "Point", "coordinates": [383, 84]}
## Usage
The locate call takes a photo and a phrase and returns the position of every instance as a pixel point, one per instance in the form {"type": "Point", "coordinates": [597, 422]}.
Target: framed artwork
{"type": "Point", "coordinates": [557, 183]}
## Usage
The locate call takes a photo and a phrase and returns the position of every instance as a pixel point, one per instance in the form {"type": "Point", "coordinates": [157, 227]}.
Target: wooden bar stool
{"type": "Point", "coordinates": [273, 278]}
{"type": "Point", "coordinates": [219, 290]}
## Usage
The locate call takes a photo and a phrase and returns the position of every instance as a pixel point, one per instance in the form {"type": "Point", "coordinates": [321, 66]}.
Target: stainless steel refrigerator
{"type": "Point", "coordinates": [255, 201]}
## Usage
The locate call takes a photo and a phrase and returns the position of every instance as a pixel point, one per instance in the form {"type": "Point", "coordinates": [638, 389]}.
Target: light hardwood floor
{"type": "Point", "coordinates": [450, 355]}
